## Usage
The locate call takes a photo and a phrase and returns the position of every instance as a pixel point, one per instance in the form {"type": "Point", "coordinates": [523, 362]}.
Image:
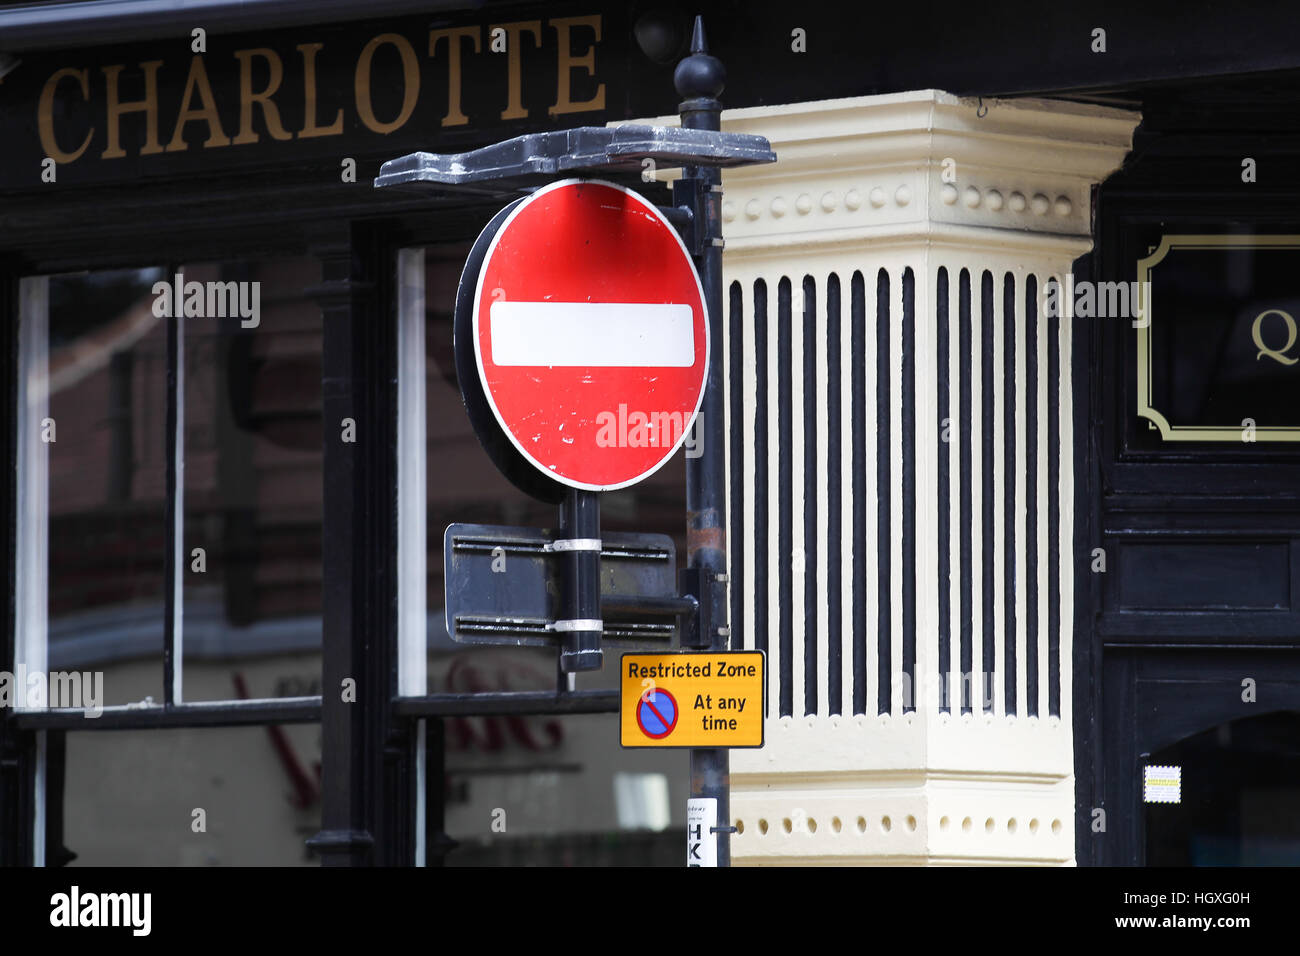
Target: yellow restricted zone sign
{"type": "Point", "coordinates": [692, 699]}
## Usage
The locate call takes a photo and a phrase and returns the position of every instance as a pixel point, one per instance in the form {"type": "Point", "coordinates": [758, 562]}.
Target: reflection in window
{"type": "Point", "coordinates": [94, 436]}
{"type": "Point", "coordinates": [251, 551]}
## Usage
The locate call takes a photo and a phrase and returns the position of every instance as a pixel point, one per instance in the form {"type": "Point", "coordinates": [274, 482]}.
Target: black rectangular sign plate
{"type": "Point", "coordinates": [503, 585]}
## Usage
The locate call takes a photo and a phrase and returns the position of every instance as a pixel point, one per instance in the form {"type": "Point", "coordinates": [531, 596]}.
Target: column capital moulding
{"type": "Point", "coordinates": [922, 166]}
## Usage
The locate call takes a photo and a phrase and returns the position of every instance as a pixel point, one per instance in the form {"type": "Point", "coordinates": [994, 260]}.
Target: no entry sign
{"type": "Point", "coordinates": [590, 334]}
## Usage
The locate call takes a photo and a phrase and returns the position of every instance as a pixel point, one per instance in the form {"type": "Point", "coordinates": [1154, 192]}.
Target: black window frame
{"type": "Point", "coordinates": [368, 753]}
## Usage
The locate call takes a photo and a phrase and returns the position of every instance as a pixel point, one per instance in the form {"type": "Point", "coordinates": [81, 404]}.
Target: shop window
{"type": "Point", "coordinates": [253, 489]}
{"type": "Point", "coordinates": [169, 533]}
{"type": "Point", "coordinates": [92, 448]}
{"type": "Point", "coordinates": [1240, 784]}
{"type": "Point", "coordinates": [203, 783]}
{"type": "Point", "coordinates": [537, 789]}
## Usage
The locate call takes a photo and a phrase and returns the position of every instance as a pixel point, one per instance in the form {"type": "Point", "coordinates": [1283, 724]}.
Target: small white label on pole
{"type": "Point", "coordinates": [701, 841]}
{"type": "Point", "coordinates": [1162, 784]}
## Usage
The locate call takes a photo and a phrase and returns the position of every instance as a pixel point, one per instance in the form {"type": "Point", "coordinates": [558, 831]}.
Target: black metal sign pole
{"type": "Point", "coordinates": [579, 624]}
{"type": "Point", "coordinates": [699, 80]}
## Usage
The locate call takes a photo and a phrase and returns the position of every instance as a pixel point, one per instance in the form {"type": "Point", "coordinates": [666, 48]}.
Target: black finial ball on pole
{"type": "Point", "coordinates": [700, 76]}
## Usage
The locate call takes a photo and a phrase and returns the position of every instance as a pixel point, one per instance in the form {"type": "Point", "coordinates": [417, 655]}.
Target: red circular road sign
{"type": "Point", "coordinates": [590, 334]}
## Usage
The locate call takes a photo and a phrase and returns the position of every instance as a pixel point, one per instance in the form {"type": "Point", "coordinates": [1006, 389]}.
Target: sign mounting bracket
{"type": "Point", "coordinates": [505, 169]}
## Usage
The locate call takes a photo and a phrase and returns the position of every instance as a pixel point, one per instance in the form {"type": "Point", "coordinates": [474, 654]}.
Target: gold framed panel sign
{"type": "Point", "coordinates": [1218, 338]}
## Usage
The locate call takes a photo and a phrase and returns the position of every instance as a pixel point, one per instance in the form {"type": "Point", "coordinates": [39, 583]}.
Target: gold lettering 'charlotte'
{"type": "Point", "coordinates": [575, 40]}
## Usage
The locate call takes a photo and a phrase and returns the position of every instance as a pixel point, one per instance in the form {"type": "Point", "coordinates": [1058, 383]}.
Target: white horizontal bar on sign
{"type": "Point", "coordinates": [593, 334]}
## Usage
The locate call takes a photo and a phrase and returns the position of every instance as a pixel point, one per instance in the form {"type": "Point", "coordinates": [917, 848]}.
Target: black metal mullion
{"type": "Point", "coordinates": [500, 703]}
{"type": "Point", "coordinates": [17, 745]}
{"type": "Point", "coordinates": [367, 790]}
{"type": "Point", "coordinates": [345, 838]}
{"type": "Point", "coordinates": [56, 764]}
{"type": "Point", "coordinates": [302, 710]}
{"type": "Point", "coordinates": [437, 844]}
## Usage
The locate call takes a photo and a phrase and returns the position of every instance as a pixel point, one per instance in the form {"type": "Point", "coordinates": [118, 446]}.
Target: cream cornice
{"type": "Point", "coordinates": [872, 167]}
{"type": "Point", "coordinates": [936, 237]}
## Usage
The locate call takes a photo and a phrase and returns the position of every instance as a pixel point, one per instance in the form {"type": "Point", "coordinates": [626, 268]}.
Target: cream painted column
{"type": "Point", "coordinates": [901, 459]}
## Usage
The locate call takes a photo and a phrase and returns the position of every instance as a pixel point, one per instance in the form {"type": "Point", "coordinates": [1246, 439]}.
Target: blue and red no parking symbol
{"type": "Point", "coordinates": [656, 713]}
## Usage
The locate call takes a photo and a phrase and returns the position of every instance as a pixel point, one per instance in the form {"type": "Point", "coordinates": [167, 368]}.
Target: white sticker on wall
{"type": "Point", "coordinates": [1162, 784]}
{"type": "Point", "coordinates": [701, 841]}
